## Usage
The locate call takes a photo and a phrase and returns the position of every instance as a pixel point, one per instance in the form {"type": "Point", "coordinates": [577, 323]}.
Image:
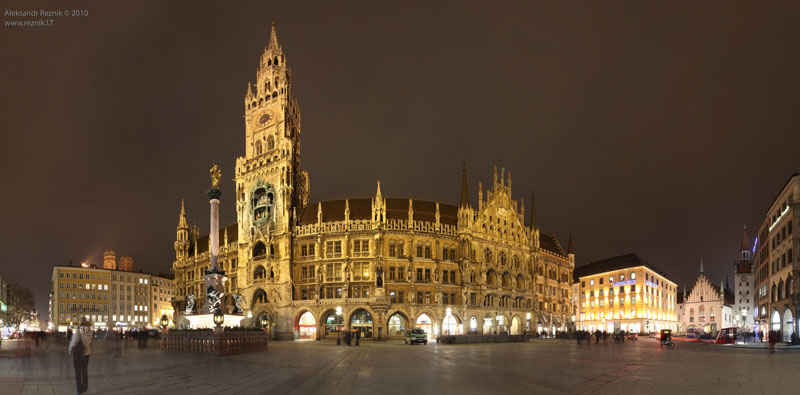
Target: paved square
{"type": "Point", "coordinates": [308, 367]}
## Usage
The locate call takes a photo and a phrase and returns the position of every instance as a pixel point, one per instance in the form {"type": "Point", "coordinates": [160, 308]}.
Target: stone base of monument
{"type": "Point", "coordinates": [219, 342]}
{"type": "Point", "coordinates": [206, 321]}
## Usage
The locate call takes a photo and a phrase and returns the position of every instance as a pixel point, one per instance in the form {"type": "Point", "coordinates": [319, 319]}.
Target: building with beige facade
{"type": "Point", "coordinates": [777, 263]}
{"type": "Point", "coordinates": [707, 308]}
{"type": "Point", "coordinates": [109, 298]}
{"type": "Point", "coordinates": [378, 264]}
{"type": "Point", "coordinates": [625, 293]}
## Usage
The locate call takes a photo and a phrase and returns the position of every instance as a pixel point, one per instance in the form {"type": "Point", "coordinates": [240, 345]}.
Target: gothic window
{"type": "Point", "coordinates": [276, 61]}
{"type": "Point", "coordinates": [258, 148]}
{"type": "Point", "coordinates": [487, 256]}
{"type": "Point", "coordinates": [259, 249]}
{"type": "Point", "coordinates": [270, 143]}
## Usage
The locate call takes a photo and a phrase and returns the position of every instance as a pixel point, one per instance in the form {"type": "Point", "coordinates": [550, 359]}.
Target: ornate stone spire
{"type": "Point", "coordinates": [570, 249]}
{"type": "Point", "coordinates": [701, 265]}
{"type": "Point", "coordinates": [464, 192]}
{"type": "Point", "coordinates": [533, 210]}
{"type": "Point", "coordinates": [273, 36]}
{"type": "Point", "coordinates": [182, 218]}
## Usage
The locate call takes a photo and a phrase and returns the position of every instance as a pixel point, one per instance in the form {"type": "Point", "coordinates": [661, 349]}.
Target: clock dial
{"type": "Point", "coordinates": [264, 119]}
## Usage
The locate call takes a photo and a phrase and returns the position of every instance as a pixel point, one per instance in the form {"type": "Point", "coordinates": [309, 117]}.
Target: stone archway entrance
{"type": "Point", "coordinates": [451, 325]}
{"type": "Point", "coordinates": [307, 326]}
{"type": "Point", "coordinates": [516, 326]}
{"type": "Point", "coordinates": [333, 323]}
{"type": "Point", "coordinates": [361, 321]}
{"type": "Point", "coordinates": [397, 325]}
{"type": "Point", "coordinates": [788, 326]}
{"type": "Point", "coordinates": [776, 321]}
{"type": "Point", "coordinates": [425, 323]}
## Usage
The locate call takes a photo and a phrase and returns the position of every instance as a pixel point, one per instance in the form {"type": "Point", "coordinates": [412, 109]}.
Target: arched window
{"type": "Point", "coordinates": [275, 94]}
{"type": "Point", "coordinates": [260, 296]}
{"type": "Point", "coordinates": [472, 278]}
{"type": "Point", "coordinates": [269, 62]}
{"type": "Point", "coordinates": [774, 294]}
{"type": "Point", "coordinates": [502, 258]}
{"type": "Point", "coordinates": [258, 148]}
{"type": "Point", "coordinates": [276, 60]}
{"type": "Point", "coordinates": [712, 314]}
{"type": "Point", "coordinates": [270, 143]}
{"type": "Point", "coordinates": [691, 313]}
{"type": "Point", "coordinates": [780, 290]}
{"type": "Point", "coordinates": [789, 286]}
{"type": "Point", "coordinates": [259, 273]}
{"type": "Point", "coordinates": [259, 249]}
{"type": "Point", "coordinates": [520, 282]}
{"type": "Point", "coordinates": [506, 280]}
{"type": "Point", "coordinates": [487, 256]}
{"type": "Point", "coordinates": [491, 277]}
{"type": "Point", "coordinates": [701, 313]}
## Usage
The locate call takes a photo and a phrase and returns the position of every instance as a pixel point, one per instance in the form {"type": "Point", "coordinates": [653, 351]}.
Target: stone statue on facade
{"type": "Point", "coordinates": [216, 175]}
{"type": "Point", "coordinates": [379, 275]}
{"type": "Point", "coordinates": [190, 305]}
{"type": "Point", "coordinates": [238, 300]}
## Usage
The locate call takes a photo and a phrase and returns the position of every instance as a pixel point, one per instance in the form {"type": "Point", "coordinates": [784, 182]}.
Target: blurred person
{"type": "Point", "coordinates": [80, 348]}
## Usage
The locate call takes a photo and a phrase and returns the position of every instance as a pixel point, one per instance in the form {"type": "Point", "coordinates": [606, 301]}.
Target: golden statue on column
{"type": "Point", "coordinates": [216, 174]}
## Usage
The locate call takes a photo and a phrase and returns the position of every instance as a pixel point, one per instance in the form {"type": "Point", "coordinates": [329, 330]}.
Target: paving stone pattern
{"type": "Point", "coordinates": [543, 366]}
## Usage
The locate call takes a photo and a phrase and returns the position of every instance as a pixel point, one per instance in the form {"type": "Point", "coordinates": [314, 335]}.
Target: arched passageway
{"type": "Point", "coordinates": [397, 325]}
{"type": "Point", "coordinates": [307, 326]}
{"type": "Point", "coordinates": [361, 321]}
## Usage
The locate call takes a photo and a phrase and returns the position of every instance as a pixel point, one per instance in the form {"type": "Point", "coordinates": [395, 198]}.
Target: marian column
{"type": "Point", "coordinates": [215, 278]}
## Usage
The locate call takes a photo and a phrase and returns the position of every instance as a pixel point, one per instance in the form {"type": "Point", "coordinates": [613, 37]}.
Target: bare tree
{"type": "Point", "coordinates": [21, 305]}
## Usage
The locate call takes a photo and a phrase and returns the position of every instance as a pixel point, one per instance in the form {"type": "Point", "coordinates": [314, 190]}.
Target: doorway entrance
{"type": "Point", "coordinates": [307, 326]}
{"type": "Point", "coordinates": [361, 321]}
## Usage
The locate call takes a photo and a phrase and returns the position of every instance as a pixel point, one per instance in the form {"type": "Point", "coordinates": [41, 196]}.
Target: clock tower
{"type": "Point", "coordinates": [270, 186]}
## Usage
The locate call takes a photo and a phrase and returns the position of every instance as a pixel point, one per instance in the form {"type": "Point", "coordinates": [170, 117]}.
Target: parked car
{"type": "Point", "coordinates": [416, 336]}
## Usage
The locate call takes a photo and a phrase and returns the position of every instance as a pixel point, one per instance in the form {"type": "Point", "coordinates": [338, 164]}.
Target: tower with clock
{"type": "Point", "coordinates": [270, 186]}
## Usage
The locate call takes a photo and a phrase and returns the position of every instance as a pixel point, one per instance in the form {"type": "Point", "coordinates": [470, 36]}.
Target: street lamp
{"type": "Point", "coordinates": [219, 318]}
{"type": "Point", "coordinates": [338, 330]}
{"type": "Point", "coordinates": [263, 321]}
{"type": "Point", "coordinates": [164, 321]}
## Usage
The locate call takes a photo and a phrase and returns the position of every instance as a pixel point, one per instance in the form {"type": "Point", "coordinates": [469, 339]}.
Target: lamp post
{"type": "Point", "coordinates": [219, 318]}
{"type": "Point", "coordinates": [338, 329]}
{"type": "Point", "coordinates": [164, 323]}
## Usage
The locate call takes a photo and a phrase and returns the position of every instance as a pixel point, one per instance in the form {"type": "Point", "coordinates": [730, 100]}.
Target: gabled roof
{"type": "Point", "coordinates": [550, 243]}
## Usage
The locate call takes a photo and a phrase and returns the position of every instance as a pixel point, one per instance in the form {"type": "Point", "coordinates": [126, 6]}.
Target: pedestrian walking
{"type": "Point", "coordinates": [773, 338]}
{"type": "Point", "coordinates": [579, 336]}
{"type": "Point", "coordinates": [80, 348]}
{"type": "Point", "coordinates": [358, 336]}
{"type": "Point", "coordinates": [597, 336]}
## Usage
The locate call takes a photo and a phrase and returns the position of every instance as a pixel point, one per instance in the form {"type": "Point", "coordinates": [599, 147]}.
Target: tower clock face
{"type": "Point", "coordinates": [264, 119]}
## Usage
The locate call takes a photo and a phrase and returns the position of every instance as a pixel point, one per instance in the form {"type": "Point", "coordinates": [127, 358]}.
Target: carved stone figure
{"type": "Point", "coordinates": [238, 301]}
{"type": "Point", "coordinates": [214, 299]}
{"type": "Point", "coordinates": [379, 275]}
{"type": "Point", "coordinates": [190, 305]}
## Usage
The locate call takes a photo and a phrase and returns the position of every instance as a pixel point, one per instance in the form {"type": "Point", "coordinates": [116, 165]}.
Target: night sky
{"type": "Point", "coordinates": [655, 129]}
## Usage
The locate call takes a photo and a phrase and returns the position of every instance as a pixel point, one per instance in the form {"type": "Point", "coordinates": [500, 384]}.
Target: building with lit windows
{"type": "Point", "coordinates": [625, 293]}
{"type": "Point", "coordinates": [79, 291]}
{"type": "Point", "coordinates": [707, 308]}
{"type": "Point", "coordinates": [109, 298]}
{"type": "Point", "coordinates": [378, 264]}
{"type": "Point", "coordinates": [777, 264]}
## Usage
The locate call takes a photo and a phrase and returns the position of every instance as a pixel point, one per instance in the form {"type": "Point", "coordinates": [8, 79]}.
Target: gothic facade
{"type": "Point", "coordinates": [380, 265]}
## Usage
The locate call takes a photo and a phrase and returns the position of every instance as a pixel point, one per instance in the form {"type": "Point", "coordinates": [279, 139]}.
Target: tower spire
{"type": "Point", "coordinates": [464, 192]}
{"type": "Point", "coordinates": [273, 36]}
{"type": "Point", "coordinates": [570, 248]}
{"type": "Point", "coordinates": [745, 242]}
{"type": "Point", "coordinates": [701, 265]}
{"type": "Point", "coordinates": [533, 209]}
{"type": "Point", "coordinates": [182, 218]}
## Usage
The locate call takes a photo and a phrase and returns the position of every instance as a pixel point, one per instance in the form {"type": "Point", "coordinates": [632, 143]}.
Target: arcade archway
{"type": "Point", "coordinates": [397, 325]}
{"type": "Point", "coordinates": [307, 326]}
{"type": "Point", "coordinates": [361, 321]}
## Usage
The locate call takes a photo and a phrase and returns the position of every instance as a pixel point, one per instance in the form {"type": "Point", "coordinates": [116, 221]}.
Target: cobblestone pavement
{"type": "Point", "coordinates": [541, 366]}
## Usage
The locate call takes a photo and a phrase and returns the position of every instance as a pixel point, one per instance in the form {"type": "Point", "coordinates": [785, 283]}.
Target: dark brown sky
{"type": "Point", "coordinates": [655, 129]}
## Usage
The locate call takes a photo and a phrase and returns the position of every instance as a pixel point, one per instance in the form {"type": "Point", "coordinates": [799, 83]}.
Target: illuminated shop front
{"type": "Point", "coordinates": [625, 293]}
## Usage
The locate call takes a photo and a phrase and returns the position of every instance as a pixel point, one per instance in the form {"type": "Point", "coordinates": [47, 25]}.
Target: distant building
{"type": "Point", "coordinates": [777, 264]}
{"type": "Point", "coordinates": [625, 293]}
{"type": "Point", "coordinates": [744, 288]}
{"type": "Point", "coordinates": [707, 308]}
{"type": "Point", "coordinates": [108, 298]}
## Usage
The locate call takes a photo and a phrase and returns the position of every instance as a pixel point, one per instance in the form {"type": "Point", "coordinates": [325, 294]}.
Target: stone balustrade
{"type": "Point", "coordinates": [210, 342]}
